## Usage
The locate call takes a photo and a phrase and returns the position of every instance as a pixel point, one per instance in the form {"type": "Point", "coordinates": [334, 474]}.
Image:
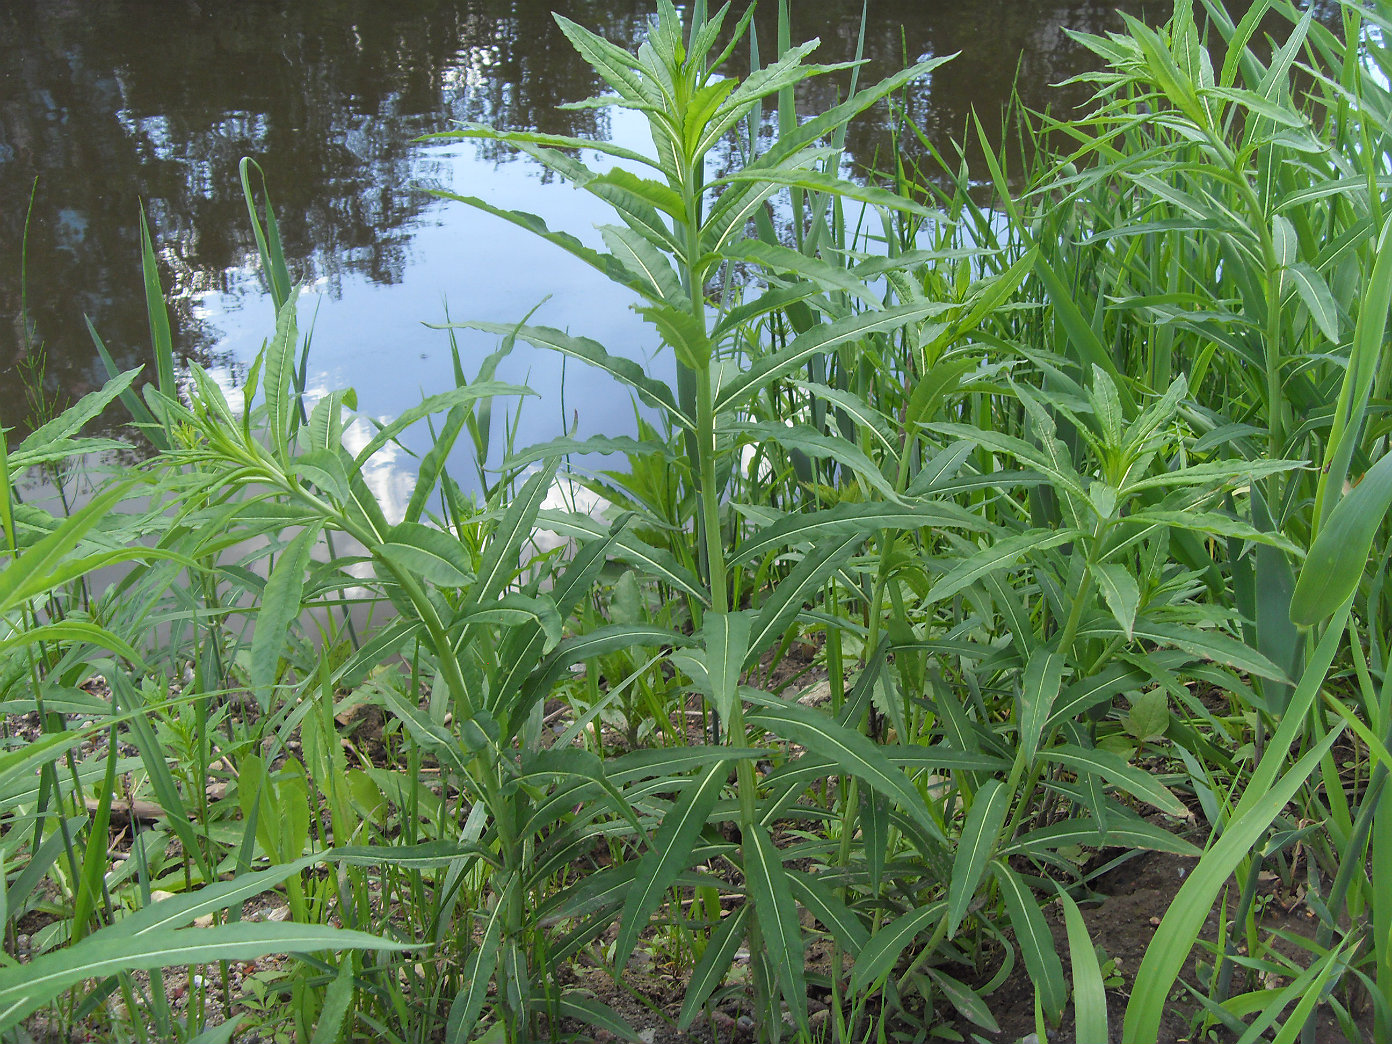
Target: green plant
{"type": "Point", "coordinates": [678, 230]}
{"type": "Point", "coordinates": [1026, 474]}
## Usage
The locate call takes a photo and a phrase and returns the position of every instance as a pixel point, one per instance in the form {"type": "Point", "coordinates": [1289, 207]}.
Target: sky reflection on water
{"type": "Point", "coordinates": [108, 103]}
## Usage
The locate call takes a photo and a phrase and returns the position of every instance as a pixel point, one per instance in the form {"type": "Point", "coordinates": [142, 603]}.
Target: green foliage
{"type": "Point", "coordinates": [1070, 489]}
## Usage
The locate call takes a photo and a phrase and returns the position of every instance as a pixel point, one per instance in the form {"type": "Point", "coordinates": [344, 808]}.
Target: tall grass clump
{"type": "Point", "coordinates": [998, 529]}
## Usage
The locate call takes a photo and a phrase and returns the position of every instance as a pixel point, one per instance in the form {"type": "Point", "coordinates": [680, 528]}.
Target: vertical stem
{"type": "Point", "coordinates": [710, 495]}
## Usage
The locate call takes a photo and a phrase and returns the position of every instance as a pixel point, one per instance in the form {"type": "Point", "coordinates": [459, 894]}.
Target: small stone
{"type": "Point", "coordinates": [647, 1036]}
{"type": "Point", "coordinates": [22, 944]}
{"type": "Point", "coordinates": [1155, 922]}
{"type": "Point", "coordinates": [280, 913]}
{"type": "Point", "coordinates": [745, 1024]}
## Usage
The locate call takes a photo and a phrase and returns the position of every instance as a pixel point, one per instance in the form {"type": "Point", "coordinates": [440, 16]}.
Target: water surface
{"type": "Point", "coordinates": [108, 105]}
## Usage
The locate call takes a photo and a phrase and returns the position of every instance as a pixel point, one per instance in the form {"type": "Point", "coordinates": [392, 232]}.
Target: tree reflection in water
{"type": "Point", "coordinates": [112, 102]}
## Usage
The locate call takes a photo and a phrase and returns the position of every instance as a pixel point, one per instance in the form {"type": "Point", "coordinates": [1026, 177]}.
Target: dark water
{"type": "Point", "coordinates": [108, 104]}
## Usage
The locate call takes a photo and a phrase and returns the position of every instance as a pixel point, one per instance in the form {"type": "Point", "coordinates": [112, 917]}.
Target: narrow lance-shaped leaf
{"type": "Point", "coordinates": [27, 575]}
{"type": "Point", "coordinates": [669, 855]}
{"type": "Point", "coordinates": [855, 753]}
{"type": "Point", "coordinates": [940, 469]}
{"type": "Point", "coordinates": [478, 973]}
{"type": "Point", "coordinates": [804, 438]}
{"type": "Point", "coordinates": [1122, 830]}
{"type": "Point", "coordinates": [433, 463]}
{"type": "Point", "coordinates": [513, 610]}
{"type": "Point", "coordinates": [337, 1000]}
{"type": "Point", "coordinates": [268, 242]}
{"type": "Point", "coordinates": [649, 266]}
{"type": "Point", "coordinates": [161, 342]}
{"type": "Point", "coordinates": [779, 927]}
{"type": "Point", "coordinates": [280, 366]}
{"type": "Point", "coordinates": [725, 637]}
{"type": "Point", "coordinates": [685, 333]}
{"type": "Point", "coordinates": [500, 558]}
{"type": "Point", "coordinates": [866, 418]}
{"type": "Point", "coordinates": [816, 341]}
{"type": "Point", "coordinates": [428, 553]}
{"type": "Point", "coordinates": [434, 404]}
{"type": "Point", "coordinates": [714, 965]}
{"type": "Point", "coordinates": [1337, 559]}
{"type": "Point", "coordinates": [72, 631]}
{"type": "Point", "coordinates": [608, 265]}
{"type": "Point", "coordinates": [1314, 291]}
{"type": "Point", "coordinates": [976, 846]}
{"type": "Point", "coordinates": [852, 518]}
{"type": "Point", "coordinates": [612, 62]}
{"type": "Point", "coordinates": [626, 371]}
{"type": "Point", "coordinates": [1368, 348]}
{"type": "Point", "coordinates": [1000, 555]}
{"type": "Point", "coordinates": [1036, 942]}
{"type": "Point", "coordinates": [1038, 690]}
{"type": "Point", "coordinates": [1211, 645]}
{"type": "Point", "coordinates": [878, 956]}
{"type": "Point", "coordinates": [280, 606]}
{"type": "Point", "coordinates": [821, 901]}
{"type": "Point", "coordinates": [660, 564]}
{"type": "Point", "coordinates": [778, 258]}
{"type": "Point", "coordinates": [1119, 772]}
{"type": "Point", "coordinates": [1121, 593]}
{"type": "Point", "coordinates": [789, 597]}
{"type": "Point", "coordinates": [71, 420]}
{"type": "Point", "coordinates": [139, 412]}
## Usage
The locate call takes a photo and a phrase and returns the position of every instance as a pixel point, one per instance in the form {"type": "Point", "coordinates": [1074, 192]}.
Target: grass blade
{"type": "Point", "coordinates": [25, 987]}
{"type": "Point", "coordinates": [1089, 991]}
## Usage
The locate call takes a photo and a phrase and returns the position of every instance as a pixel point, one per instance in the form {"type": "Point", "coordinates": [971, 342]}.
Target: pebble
{"type": "Point", "coordinates": [22, 944]}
